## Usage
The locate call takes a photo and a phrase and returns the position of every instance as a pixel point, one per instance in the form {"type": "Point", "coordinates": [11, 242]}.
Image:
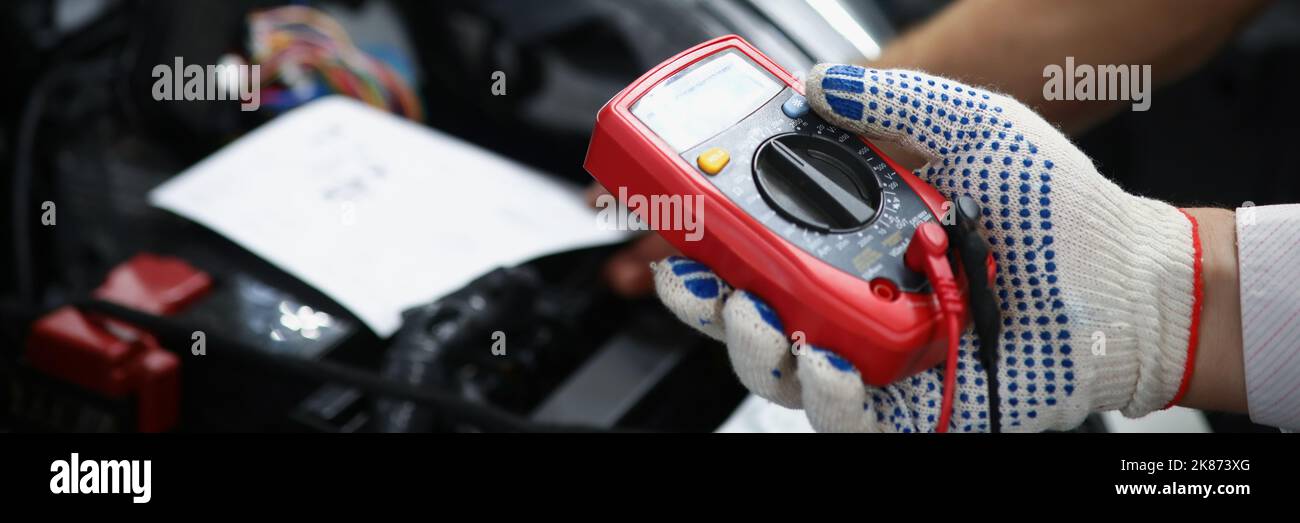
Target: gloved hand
{"type": "Point", "coordinates": [1097, 287]}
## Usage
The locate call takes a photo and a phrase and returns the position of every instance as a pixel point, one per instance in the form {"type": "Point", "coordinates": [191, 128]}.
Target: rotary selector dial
{"type": "Point", "coordinates": [817, 182]}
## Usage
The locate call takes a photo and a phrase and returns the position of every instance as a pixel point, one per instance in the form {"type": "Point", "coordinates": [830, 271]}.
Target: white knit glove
{"type": "Point", "coordinates": [1096, 286]}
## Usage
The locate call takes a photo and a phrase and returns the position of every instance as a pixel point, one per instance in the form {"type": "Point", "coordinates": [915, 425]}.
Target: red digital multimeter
{"type": "Point", "coordinates": [811, 219]}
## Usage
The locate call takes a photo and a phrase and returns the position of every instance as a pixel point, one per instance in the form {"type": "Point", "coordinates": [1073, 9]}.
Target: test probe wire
{"type": "Point", "coordinates": [934, 251]}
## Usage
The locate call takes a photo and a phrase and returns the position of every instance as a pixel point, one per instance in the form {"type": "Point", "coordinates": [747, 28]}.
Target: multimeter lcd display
{"type": "Point", "coordinates": [705, 99]}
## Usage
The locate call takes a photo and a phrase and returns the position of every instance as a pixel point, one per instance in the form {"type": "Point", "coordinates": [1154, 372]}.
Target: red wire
{"type": "Point", "coordinates": [949, 372]}
{"type": "Point", "coordinates": [927, 253]}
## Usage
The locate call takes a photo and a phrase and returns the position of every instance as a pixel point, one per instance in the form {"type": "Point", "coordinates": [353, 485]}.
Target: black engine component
{"type": "Point", "coordinates": [462, 343]}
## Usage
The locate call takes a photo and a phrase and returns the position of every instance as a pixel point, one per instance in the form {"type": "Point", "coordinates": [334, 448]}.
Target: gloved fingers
{"type": "Point", "coordinates": [759, 351]}
{"type": "Point", "coordinates": [851, 98]}
{"type": "Point", "coordinates": [756, 345]}
{"type": "Point", "coordinates": [937, 117]}
{"type": "Point", "coordinates": [692, 292]}
{"type": "Point", "coordinates": [833, 394]}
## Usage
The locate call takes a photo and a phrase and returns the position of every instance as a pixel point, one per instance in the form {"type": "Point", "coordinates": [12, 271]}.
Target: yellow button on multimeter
{"type": "Point", "coordinates": [713, 159]}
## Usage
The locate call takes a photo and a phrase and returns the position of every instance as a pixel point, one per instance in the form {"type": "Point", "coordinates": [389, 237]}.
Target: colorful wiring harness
{"type": "Point", "coordinates": [291, 41]}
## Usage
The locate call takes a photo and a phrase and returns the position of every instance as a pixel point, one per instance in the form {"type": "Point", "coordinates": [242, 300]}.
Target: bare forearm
{"type": "Point", "coordinates": [1005, 44]}
{"type": "Point", "coordinates": [1218, 382]}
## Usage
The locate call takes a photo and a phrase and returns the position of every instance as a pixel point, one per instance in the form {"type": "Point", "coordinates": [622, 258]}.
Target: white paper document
{"type": "Point", "coordinates": [376, 212]}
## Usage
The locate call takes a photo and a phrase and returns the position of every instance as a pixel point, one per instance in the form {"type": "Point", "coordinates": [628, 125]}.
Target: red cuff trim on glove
{"type": "Point", "coordinates": [1198, 297]}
